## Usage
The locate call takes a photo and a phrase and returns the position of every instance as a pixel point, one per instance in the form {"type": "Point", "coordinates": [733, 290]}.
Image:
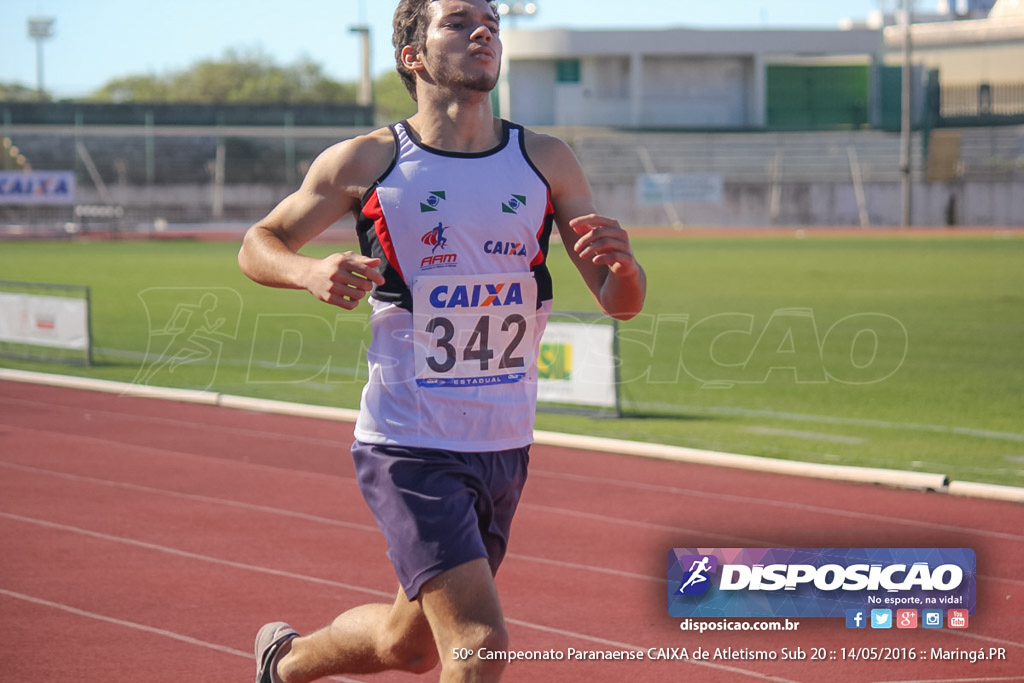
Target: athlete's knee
{"type": "Point", "coordinates": [488, 645]}
{"type": "Point", "coordinates": [412, 651]}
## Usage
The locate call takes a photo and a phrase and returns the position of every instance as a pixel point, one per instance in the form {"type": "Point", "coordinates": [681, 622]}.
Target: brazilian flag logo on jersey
{"type": "Point", "coordinates": [433, 201]}
{"type": "Point", "coordinates": [513, 204]}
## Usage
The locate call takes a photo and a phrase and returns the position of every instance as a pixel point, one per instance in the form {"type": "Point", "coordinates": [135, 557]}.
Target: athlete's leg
{"type": "Point", "coordinates": [456, 610]}
{"type": "Point", "coordinates": [465, 615]}
{"type": "Point", "coordinates": [365, 639]}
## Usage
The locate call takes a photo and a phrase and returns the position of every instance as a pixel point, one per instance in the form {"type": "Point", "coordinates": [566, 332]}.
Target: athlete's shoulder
{"type": "Point", "coordinates": [550, 153]}
{"type": "Point", "coordinates": [369, 153]}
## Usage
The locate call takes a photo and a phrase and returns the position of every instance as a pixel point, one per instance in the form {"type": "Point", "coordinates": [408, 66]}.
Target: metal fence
{"type": "Point", "coordinates": [138, 177]}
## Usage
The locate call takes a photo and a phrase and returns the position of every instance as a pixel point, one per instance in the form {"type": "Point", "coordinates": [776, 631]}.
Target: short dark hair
{"type": "Point", "coordinates": [409, 27]}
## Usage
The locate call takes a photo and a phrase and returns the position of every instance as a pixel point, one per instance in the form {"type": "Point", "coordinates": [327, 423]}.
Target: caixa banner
{"type": "Point", "coordinates": [817, 582]}
{"type": "Point", "coordinates": [37, 187]}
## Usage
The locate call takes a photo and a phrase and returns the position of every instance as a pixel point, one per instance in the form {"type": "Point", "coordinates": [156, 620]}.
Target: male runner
{"type": "Point", "coordinates": [446, 417]}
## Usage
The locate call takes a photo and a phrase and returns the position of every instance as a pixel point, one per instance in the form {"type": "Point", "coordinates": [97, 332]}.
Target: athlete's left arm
{"type": "Point", "coordinates": [598, 245]}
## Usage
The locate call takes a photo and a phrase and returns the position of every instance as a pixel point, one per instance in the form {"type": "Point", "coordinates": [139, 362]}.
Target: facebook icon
{"type": "Point", "coordinates": [856, 618]}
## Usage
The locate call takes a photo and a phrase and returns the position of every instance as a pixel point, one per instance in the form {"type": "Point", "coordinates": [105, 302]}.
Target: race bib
{"type": "Point", "coordinates": [472, 330]}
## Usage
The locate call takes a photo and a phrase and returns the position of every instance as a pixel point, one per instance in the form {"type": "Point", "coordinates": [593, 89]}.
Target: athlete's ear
{"type": "Point", "coordinates": [411, 58]}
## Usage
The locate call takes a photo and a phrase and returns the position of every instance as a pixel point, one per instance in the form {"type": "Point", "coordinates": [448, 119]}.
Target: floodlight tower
{"type": "Point", "coordinates": [39, 29]}
{"type": "Point", "coordinates": [906, 118]}
{"type": "Point", "coordinates": [365, 97]}
{"type": "Point", "coordinates": [513, 10]}
{"type": "Point", "coordinates": [365, 81]}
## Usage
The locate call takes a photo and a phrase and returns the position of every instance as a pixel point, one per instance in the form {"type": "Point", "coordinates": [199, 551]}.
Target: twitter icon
{"type": "Point", "coordinates": [881, 618]}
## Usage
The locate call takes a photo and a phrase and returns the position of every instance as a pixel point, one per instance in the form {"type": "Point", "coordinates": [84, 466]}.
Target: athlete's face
{"type": "Point", "coordinates": [463, 48]}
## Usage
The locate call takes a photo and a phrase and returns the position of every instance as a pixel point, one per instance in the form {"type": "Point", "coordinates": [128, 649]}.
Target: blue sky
{"type": "Point", "coordinates": [97, 40]}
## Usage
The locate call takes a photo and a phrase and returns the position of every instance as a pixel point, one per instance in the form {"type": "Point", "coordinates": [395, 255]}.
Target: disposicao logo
{"type": "Point", "coordinates": [697, 580]}
{"type": "Point", "coordinates": [808, 582]}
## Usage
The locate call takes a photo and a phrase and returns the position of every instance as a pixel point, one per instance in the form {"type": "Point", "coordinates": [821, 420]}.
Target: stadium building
{"type": "Point", "coordinates": [674, 126]}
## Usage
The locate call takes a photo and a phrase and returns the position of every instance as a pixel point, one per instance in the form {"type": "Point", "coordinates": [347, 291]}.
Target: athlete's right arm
{"type": "Point", "coordinates": [331, 189]}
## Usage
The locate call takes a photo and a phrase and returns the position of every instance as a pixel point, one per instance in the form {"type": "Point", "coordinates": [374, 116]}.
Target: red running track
{"type": "Point", "coordinates": [147, 540]}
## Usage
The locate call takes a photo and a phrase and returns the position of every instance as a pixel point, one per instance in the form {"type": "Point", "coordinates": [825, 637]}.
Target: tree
{"type": "Point", "coordinates": [239, 77]}
{"type": "Point", "coordinates": [391, 99]}
{"type": "Point", "coordinates": [15, 92]}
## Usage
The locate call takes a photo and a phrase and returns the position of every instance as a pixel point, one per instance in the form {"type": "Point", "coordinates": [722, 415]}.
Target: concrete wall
{"type": "Point", "coordinates": [998, 204]}
{"type": "Point", "coordinates": [744, 204]}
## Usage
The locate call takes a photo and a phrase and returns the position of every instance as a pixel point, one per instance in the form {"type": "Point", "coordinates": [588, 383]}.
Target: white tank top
{"type": "Point", "coordinates": [457, 323]}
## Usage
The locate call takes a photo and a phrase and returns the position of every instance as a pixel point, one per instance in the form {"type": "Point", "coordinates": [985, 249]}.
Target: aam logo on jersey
{"type": "Point", "coordinates": [436, 240]}
{"type": "Point", "coordinates": [477, 296]}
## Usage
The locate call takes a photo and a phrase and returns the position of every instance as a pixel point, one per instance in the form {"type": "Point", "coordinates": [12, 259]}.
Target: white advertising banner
{"type": "Point", "coordinates": [37, 187]}
{"type": "Point", "coordinates": [52, 321]}
{"type": "Point", "coordinates": [576, 364]}
{"type": "Point", "coordinates": [667, 188]}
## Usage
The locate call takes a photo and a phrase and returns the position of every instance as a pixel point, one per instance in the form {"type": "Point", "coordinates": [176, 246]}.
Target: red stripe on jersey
{"type": "Point", "coordinates": [545, 224]}
{"type": "Point", "coordinates": [373, 210]}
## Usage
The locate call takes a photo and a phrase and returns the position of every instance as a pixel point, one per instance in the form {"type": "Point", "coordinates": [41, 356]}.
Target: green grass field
{"type": "Point", "coordinates": [884, 350]}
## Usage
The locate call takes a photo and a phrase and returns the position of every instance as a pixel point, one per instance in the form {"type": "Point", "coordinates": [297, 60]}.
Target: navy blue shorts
{"type": "Point", "coordinates": [439, 509]}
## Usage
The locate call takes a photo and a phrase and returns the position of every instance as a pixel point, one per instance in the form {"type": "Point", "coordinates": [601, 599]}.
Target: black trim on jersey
{"type": "Point", "coordinates": [394, 289]}
{"type": "Point", "coordinates": [545, 286]}
{"type": "Point", "coordinates": [415, 139]}
{"type": "Point", "coordinates": [526, 155]}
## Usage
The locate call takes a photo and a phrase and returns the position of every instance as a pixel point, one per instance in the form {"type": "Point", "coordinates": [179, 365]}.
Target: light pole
{"type": "Point", "coordinates": [512, 10]}
{"type": "Point", "coordinates": [365, 82]}
{"type": "Point", "coordinates": [906, 119]}
{"type": "Point", "coordinates": [39, 29]}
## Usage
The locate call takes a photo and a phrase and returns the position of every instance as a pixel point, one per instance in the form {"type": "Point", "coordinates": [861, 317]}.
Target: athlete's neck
{"type": "Point", "coordinates": [457, 128]}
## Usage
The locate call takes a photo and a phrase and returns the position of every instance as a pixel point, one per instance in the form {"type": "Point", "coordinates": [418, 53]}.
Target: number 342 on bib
{"type": "Point", "coordinates": [474, 330]}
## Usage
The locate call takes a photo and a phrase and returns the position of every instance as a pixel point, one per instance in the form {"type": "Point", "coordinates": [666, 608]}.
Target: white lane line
{"type": "Point", "coordinates": [142, 451]}
{"type": "Point", "coordinates": [957, 680]}
{"type": "Point", "coordinates": [310, 579]}
{"type": "Point", "coordinates": [139, 627]}
{"type": "Point", "coordinates": [300, 515]}
{"type": "Point", "coordinates": [745, 500]}
{"type": "Point", "coordinates": [192, 497]}
{"type": "Point", "coordinates": [748, 500]}
{"type": "Point", "coordinates": [291, 439]}
{"type": "Point", "coordinates": [129, 624]}
{"type": "Point", "coordinates": [809, 436]}
{"type": "Point", "coordinates": [830, 419]}
{"type": "Point", "coordinates": [899, 478]}
{"type": "Point", "coordinates": [745, 541]}
{"type": "Point", "coordinates": [389, 596]}
{"type": "Point", "coordinates": [987, 639]}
